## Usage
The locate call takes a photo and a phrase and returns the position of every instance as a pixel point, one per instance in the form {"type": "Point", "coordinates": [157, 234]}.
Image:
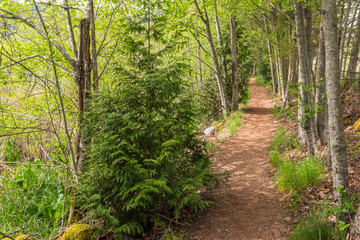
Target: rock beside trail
{"type": "Point", "coordinates": [209, 131]}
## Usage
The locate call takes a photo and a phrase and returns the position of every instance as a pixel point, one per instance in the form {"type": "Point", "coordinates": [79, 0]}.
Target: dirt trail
{"type": "Point", "coordinates": [251, 208]}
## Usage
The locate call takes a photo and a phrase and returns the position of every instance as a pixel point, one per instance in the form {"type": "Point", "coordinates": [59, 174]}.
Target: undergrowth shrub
{"type": "Point", "coordinates": [295, 177]}
{"type": "Point", "coordinates": [32, 198]}
{"type": "Point", "coordinates": [283, 141]}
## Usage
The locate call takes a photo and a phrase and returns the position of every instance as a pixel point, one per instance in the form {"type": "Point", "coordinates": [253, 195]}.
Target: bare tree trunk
{"type": "Point", "coordinates": [344, 33]}
{"type": "Point", "coordinates": [354, 55]}
{"type": "Point", "coordinates": [271, 59]}
{"type": "Point", "coordinates": [291, 77]}
{"type": "Point", "coordinates": [320, 96]}
{"type": "Point", "coordinates": [304, 76]}
{"type": "Point", "coordinates": [91, 16]}
{"type": "Point", "coordinates": [336, 126]}
{"type": "Point", "coordinates": [221, 43]}
{"type": "Point", "coordinates": [83, 79]}
{"type": "Point", "coordinates": [220, 82]}
{"type": "Point", "coordinates": [234, 65]}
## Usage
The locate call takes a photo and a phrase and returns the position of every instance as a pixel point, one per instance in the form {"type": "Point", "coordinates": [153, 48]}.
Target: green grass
{"type": "Point", "coordinates": [295, 177]}
{"type": "Point", "coordinates": [314, 227]}
{"type": "Point", "coordinates": [284, 141]}
{"type": "Point", "coordinates": [275, 158]}
{"type": "Point", "coordinates": [235, 121]}
{"type": "Point", "coordinates": [33, 198]}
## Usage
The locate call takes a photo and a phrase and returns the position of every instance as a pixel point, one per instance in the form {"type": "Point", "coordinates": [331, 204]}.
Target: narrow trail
{"type": "Point", "coordinates": [250, 209]}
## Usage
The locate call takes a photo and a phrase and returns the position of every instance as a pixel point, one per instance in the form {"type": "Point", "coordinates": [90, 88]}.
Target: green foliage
{"type": "Point", "coordinates": [235, 121]}
{"type": "Point", "coordinates": [144, 157]}
{"type": "Point", "coordinates": [144, 161]}
{"type": "Point", "coordinates": [262, 81]}
{"type": "Point", "coordinates": [284, 141]}
{"type": "Point", "coordinates": [32, 196]}
{"type": "Point", "coordinates": [314, 227]}
{"type": "Point", "coordinates": [295, 177]}
{"type": "Point", "coordinates": [275, 158]}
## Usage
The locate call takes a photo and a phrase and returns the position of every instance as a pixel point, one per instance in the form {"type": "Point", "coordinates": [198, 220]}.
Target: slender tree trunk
{"type": "Point", "coordinates": [221, 44]}
{"type": "Point", "coordinates": [344, 33]}
{"type": "Point", "coordinates": [320, 96]}
{"type": "Point", "coordinates": [304, 76]}
{"type": "Point", "coordinates": [234, 65]}
{"type": "Point", "coordinates": [83, 79]}
{"type": "Point", "coordinates": [271, 59]}
{"type": "Point", "coordinates": [336, 126]}
{"type": "Point", "coordinates": [220, 82]}
{"type": "Point", "coordinates": [354, 55]}
{"type": "Point", "coordinates": [308, 31]}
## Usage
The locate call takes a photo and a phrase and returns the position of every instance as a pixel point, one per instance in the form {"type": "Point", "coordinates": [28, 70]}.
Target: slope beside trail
{"type": "Point", "coordinates": [250, 209]}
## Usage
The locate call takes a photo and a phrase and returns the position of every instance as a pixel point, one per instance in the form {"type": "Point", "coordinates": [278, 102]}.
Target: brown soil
{"type": "Point", "coordinates": [251, 207]}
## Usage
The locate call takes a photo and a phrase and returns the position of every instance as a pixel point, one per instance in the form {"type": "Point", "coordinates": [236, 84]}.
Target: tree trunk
{"type": "Point", "coordinates": [221, 44]}
{"type": "Point", "coordinates": [220, 82]}
{"type": "Point", "coordinates": [83, 80]}
{"type": "Point", "coordinates": [304, 76]}
{"type": "Point", "coordinates": [354, 55]}
{"type": "Point", "coordinates": [271, 59]}
{"type": "Point", "coordinates": [234, 65]}
{"type": "Point", "coordinates": [336, 127]}
{"type": "Point", "coordinates": [344, 33]}
{"type": "Point", "coordinates": [320, 96]}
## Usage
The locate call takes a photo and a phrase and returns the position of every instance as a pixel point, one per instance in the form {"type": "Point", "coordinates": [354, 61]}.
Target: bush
{"type": "Point", "coordinates": [284, 141]}
{"type": "Point", "coordinates": [145, 160]}
{"type": "Point", "coordinates": [291, 177]}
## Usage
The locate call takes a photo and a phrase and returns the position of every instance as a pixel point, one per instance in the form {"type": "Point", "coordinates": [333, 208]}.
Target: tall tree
{"type": "Point", "coordinates": [234, 65]}
{"type": "Point", "coordinates": [320, 91]}
{"type": "Point", "coordinates": [336, 126]}
{"type": "Point", "coordinates": [203, 14]}
{"type": "Point", "coordinates": [304, 76]}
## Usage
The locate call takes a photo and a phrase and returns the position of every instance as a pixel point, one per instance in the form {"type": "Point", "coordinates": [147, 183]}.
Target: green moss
{"type": "Point", "coordinates": [78, 232]}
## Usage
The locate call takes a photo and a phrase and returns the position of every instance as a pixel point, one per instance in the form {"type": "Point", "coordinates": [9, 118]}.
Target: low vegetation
{"type": "Point", "coordinates": [234, 121]}
{"type": "Point", "coordinates": [293, 175]}
{"type": "Point", "coordinates": [315, 226]}
{"type": "Point", "coordinates": [297, 176]}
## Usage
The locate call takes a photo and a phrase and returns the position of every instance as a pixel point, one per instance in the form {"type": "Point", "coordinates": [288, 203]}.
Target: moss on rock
{"type": "Point", "coordinates": [78, 232]}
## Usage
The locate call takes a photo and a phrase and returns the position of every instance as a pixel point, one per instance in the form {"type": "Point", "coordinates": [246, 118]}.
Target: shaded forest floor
{"type": "Point", "coordinates": [250, 208]}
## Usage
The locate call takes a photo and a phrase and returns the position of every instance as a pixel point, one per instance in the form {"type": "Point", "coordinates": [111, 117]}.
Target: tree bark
{"type": "Point", "coordinates": [234, 65]}
{"type": "Point", "coordinates": [336, 126]}
{"type": "Point", "coordinates": [320, 95]}
{"type": "Point", "coordinates": [354, 55]}
{"type": "Point", "coordinates": [220, 82]}
{"type": "Point", "coordinates": [83, 80]}
{"type": "Point", "coordinates": [344, 33]}
{"type": "Point", "coordinates": [304, 76]}
{"type": "Point", "coordinates": [221, 44]}
{"type": "Point", "coordinates": [271, 59]}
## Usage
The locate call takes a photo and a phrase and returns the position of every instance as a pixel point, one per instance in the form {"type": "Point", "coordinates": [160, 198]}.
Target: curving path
{"type": "Point", "coordinates": [250, 209]}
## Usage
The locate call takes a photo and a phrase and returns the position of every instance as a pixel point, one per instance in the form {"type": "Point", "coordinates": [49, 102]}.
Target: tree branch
{"type": "Point", "coordinates": [29, 23]}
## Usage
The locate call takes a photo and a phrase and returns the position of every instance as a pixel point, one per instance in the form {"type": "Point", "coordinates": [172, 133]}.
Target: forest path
{"type": "Point", "coordinates": [250, 209]}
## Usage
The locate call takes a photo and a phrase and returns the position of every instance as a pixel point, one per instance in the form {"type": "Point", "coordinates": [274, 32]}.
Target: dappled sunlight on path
{"type": "Point", "coordinates": [250, 208]}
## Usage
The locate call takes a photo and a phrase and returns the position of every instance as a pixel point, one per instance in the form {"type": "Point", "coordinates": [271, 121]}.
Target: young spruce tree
{"type": "Point", "coordinates": [144, 161]}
